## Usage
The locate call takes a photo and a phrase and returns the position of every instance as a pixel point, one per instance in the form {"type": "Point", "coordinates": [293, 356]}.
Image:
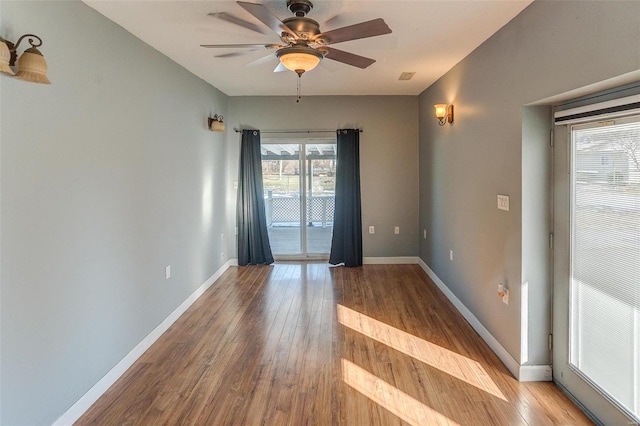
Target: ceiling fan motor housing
{"type": "Point", "coordinates": [305, 28]}
{"type": "Point", "coordinates": [299, 7]}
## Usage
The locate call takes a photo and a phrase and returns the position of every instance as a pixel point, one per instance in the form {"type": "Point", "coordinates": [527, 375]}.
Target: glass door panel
{"type": "Point", "coordinates": [596, 325]}
{"type": "Point", "coordinates": [320, 196]}
{"type": "Point", "coordinates": [299, 189]}
{"type": "Point", "coordinates": [281, 174]}
{"type": "Point", "coordinates": [605, 260]}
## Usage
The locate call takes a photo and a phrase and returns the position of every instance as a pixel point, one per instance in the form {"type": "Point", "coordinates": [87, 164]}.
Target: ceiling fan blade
{"type": "Point", "coordinates": [346, 57]}
{"type": "Point", "coordinates": [332, 22]}
{"type": "Point", "coordinates": [371, 28]}
{"type": "Point", "coordinates": [266, 17]}
{"type": "Point", "coordinates": [234, 54]}
{"type": "Point", "coordinates": [270, 57]}
{"type": "Point", "coordinates": [280, 68]}
{"type": "Point", "coordinates": [237, 21]}
{"type": "Point", "coordinates": [235, 46]}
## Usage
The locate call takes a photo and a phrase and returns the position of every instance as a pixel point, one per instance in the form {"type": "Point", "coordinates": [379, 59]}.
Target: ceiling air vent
{"type": "Point", "coordinates": [406, 75]}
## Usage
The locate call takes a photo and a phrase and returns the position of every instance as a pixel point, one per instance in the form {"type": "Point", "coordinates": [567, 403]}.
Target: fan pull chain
{"type": "Point", "coordinates": [299, 90]}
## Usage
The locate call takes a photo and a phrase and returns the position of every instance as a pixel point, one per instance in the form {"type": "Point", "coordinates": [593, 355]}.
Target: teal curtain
{"type": "Point", "coordinates": [253, 238]}
{"type": "Point", "coordinates": [346, 242]}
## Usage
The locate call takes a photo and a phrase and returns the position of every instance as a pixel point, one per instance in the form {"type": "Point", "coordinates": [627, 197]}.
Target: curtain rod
{"type": "Point", "coordinates": [293, 131]}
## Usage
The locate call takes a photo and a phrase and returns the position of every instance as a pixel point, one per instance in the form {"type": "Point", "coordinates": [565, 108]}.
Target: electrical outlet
{"type": "Point", "coordinates": [167, 272]}
{"type": "Point", "coordinates": [372, 230]}
{"type": "Point", "coordinates": [222, 236]}
{"type": "Point", "coordinates": [396, 230]}
{"type": "Point", "coordinates": [451, 255]}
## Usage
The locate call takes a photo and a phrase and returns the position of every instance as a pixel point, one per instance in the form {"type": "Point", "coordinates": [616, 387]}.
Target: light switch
{"type": "Point", "coordinates": [503, 202]}
{"type": "Point", "coordinates": [396, 230]}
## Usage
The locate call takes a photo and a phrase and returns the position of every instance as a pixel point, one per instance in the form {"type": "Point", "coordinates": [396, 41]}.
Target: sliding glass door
{"type": "Point", "coordinates": [598, 267]}
{"type": "Point", "coordinates": [299, 191]}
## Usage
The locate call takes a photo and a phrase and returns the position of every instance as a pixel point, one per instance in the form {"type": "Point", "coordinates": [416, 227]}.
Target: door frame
{"type": "Point", "coordinates": [302, 184]}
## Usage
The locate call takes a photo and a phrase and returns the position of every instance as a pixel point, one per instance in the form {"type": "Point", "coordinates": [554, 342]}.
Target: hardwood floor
{"type": "Point", "coordinates": [297, 344]}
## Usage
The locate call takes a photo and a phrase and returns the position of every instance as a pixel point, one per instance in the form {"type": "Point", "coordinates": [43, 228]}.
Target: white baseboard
{"type": "Point", "coordinates": [535, 373]}
{"type": "Point", "coordinates": [524, 373]}
{"type": "Point", "coordinates": [399, 260]}
{"type": "Point", "coordinates": [92, 395]}
{"type": "Point", "coordinates": [493, 343]}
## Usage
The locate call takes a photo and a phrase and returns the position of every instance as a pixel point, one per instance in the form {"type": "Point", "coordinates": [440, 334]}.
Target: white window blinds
{"type": "Point", "coordinates": [605, 259]}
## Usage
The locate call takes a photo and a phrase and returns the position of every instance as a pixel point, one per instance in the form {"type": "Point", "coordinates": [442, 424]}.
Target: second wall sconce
{"type": "Point", "coordinates": [444, 113]}
{"type": "Point", "coordinates": [31, 64]}
{"type": "Point", "coordinates": [216, 124]}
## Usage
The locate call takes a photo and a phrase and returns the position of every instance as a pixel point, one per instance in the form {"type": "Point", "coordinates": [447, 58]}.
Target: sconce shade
{"type": "Point", "coordinates": [299, 59]}
{"type": "Point", "coordinates": [32, 67]}
{"type": "Point", "coordinates": [444, 113]}
{"type": "Point", "coordinates": [216, 124]}
{"type": "Point", "coordinates": [441, 110]}
{"type": "Point", "coordinates": [5, 58]}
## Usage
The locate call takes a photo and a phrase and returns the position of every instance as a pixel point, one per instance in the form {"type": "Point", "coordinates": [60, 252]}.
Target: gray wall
{"type": "Point", "coordinates": [388, 161]}
{"type": "Point", "coordinates": [549, 49]}
{"type": "Point", "coordinates": [107, 176]}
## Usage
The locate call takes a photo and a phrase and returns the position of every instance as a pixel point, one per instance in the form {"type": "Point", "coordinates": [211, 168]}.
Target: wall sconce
{"type": "Point", "coordinates": [216, 124]}
{"type": "Point", "coordinates": [444, 113]}
{"type": "Point", "coordinates": [31, 65]}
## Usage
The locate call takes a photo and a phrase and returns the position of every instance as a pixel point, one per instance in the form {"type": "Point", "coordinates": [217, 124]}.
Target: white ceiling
{"type": "Point", "coordinates": [429, 37]}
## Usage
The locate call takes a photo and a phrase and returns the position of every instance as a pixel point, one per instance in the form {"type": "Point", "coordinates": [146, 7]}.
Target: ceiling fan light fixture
{"type": "Point", "coordinates": [299, 59]}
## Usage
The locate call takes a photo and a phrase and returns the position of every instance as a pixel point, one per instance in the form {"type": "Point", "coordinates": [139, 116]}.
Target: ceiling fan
{"type": "Point", "coordinates": [303, 45]}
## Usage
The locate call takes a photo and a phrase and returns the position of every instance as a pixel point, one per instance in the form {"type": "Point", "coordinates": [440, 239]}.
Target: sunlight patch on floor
{"type": "Point", "coordinates": [391, 398]}
{"type": "Point", "coordinates": [447, 361]}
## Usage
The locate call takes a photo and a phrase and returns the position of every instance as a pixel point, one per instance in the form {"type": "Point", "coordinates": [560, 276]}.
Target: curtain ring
{"type": "Point", "coordinates": [255, 133]}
